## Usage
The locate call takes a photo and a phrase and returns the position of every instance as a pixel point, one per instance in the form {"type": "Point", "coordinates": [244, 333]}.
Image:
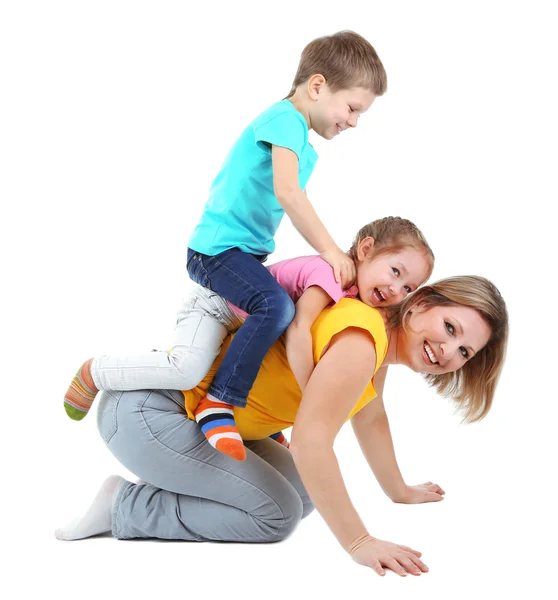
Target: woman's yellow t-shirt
{"type": "Point", "coordinates": [275, 396]}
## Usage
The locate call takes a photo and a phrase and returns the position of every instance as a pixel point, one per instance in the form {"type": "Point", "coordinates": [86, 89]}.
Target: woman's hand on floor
{"type": "Point", "coordinates": [380, 555]}
{"type": "Point", "coordinates": [419, 494]}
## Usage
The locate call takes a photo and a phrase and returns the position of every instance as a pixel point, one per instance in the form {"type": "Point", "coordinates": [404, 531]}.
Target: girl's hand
{"type": "Point", "coordinates": [419, 494]}
{"type": "Point", "coordinates": [378, 554]}
{"type": "Point", "coordinates": [344, 269]}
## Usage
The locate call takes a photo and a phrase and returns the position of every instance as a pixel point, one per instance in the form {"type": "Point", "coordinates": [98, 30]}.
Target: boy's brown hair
{"type": "Point", "coordinates": [346, 60]}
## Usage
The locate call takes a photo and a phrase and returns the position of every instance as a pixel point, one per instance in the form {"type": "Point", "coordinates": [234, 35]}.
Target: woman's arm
{"type": "Point", "coordinates": [371, 427]}
{"type": "Point", "coordinates": [298, 340]}
{"type": "Point", "coordinates": [337, 382]}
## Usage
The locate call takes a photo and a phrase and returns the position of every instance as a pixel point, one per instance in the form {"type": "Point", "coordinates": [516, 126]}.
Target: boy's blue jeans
{"type": "Point", "coordinates": [242, 279]}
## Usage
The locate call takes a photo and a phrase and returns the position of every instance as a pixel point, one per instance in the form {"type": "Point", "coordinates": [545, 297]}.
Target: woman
{"type": "Point", "coordinates": [454, 332]}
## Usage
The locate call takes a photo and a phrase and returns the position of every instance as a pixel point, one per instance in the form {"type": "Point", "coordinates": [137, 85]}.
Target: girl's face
{"type": "Point", "coordinates": [441, 339]}
{"type": "Point", "coordinates": [386, 279]}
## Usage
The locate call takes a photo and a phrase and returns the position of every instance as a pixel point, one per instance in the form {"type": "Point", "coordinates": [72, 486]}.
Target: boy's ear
{"type": "Point", "coordinates": [365, 248]}
{"type": "Point", "coordinates": [315, 85]}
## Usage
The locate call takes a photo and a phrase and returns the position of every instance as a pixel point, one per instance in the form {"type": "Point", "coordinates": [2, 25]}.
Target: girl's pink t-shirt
{"type": "Point", "coordinates": [296, 275]}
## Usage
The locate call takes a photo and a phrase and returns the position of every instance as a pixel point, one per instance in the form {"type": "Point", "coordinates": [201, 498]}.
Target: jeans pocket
{"type": "Point", "coordinates": [107, 422]}
{"type": "Point", "coordinates": [197, 270]}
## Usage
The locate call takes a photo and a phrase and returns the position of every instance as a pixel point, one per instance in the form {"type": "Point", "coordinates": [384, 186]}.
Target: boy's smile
{"type": "Point", "coordinates": [334, 112]}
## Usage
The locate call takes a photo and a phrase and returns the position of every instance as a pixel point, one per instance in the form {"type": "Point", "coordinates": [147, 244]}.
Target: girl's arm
{"type": "Point", "coordinates": [297, 206]}
{"type": "Point", "coordinates": [337, 382]}
{"type": "Point", "coordinates": [371, 427]}
{"type": "Point", "coordinates": [298, 340]}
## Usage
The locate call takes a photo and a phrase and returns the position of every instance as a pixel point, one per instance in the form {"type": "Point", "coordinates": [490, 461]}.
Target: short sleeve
{"type": "Point", "coordinates": [284, 129]}
{"type": "Point", "coordinates": [321, 275]}
{"type": "Point", "coordinates": [345, 314]}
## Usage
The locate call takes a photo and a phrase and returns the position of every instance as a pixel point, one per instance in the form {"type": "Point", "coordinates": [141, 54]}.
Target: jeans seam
{"type": "Point", "coordinates": [114, 421]}
{"type": "Point", "coordinates": [114, 523]}
{"type": "Point", "coordinates": [251, 287]}
{"type": "Point", "coordinates": [189, 348]}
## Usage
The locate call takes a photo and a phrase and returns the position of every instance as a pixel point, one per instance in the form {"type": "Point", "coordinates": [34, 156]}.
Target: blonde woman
{"type": "Point", "coordinates": [454, 331]}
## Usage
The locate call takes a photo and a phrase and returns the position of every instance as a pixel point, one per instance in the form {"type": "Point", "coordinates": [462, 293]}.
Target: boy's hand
{"type": "Point", "coordinates": [344, 268]}
{"type": "Point", "coordinates": [419, 494]}
{"type": "Point", "coordinates": [378, 555]}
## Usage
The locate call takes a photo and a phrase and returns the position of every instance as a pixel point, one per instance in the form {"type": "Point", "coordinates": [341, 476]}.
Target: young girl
{"type": "Point", "coordinates": [264, 176]}
{"type": "Point", "coordinates": [394, 260]}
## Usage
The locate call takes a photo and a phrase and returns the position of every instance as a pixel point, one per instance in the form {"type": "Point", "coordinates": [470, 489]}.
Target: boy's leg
{"type": "Point", "coordinates": [243, 280]}
{"type": "Point", "coordinates": [201, 327]}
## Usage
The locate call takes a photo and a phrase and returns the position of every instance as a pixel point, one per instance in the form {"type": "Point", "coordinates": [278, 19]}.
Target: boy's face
{"type": "Point", "coordinates": [387, 279]}
{"type": "Point", "coordinates": [332, 113]}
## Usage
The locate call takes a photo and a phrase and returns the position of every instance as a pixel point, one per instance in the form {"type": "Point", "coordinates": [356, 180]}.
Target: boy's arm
{"type": "Point", "coordinates": [299, 209]}
{"type": "Point", "coordinates": [298, 340]}
{"type": "Point", "coordinates": [371, 427]}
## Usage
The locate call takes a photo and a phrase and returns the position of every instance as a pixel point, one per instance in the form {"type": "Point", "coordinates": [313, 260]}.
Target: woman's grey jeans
{"type": "Point", "coordinates": [193, 492]}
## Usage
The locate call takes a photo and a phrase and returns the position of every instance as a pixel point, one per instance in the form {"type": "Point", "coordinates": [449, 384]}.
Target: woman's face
{"type": "Point", "coordinates": [441, 339]}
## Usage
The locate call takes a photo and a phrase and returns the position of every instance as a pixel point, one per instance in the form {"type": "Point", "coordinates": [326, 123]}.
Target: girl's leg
{"type": "Point", "coordinates": [193, 492]}
{"type": "Point", "coordinates": [203, 322]}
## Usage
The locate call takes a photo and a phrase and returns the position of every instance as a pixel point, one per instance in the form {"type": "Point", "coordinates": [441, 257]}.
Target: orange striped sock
{"type": "Point", "coordinates": [81, 393]}
{"type": "Point", "coordinates": [279, 437]}
{"type": "Point", "coordinates": [216, 420]}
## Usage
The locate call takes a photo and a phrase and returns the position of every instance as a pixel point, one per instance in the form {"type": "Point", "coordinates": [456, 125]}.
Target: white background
{"type": "Point", "coordinates": [115, 117]}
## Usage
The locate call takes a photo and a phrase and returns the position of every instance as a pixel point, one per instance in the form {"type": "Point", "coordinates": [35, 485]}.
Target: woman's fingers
{"type": "Point", "coordinates": [377, 566]}
{"type": "Point", "coordinates": [407, 549]}
{"type": "Point", "coordinates": [405, 560]}
{"type": "Point", "coordinates": [416, 560]}
{"type": "Point", "coordinates": [433, 497]}
{"type": "Point", "coordinates": [392, 563]}
{"type": "Point", "coordinates": [434, 487]}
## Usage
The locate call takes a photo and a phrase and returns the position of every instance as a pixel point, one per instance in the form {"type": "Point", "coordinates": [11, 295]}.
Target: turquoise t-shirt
{"type": "Point", "coordinates": [242, 211]}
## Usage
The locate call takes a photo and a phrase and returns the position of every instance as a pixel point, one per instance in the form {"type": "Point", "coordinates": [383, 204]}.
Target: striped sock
{"type": "Point", "coordinates": [279, 437]}
{"type": "Point", "coordinates": [81, 393]}
{"type": "Point", "coordinates": [216, 420]}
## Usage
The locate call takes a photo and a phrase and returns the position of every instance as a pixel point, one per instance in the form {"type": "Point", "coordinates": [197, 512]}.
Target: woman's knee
{"type": "Point", "coordinates": [307, 507]}
{"type": "Point", "coordinates": [289, 511]}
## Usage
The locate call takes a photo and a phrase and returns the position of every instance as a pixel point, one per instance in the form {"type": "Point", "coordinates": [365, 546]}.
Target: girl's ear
{"type": "Point", "coordinates": [365, 247]}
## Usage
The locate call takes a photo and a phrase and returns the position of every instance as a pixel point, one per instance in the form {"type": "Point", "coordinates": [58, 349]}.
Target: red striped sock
{"type": "Point", "coordinates": [216, 420]}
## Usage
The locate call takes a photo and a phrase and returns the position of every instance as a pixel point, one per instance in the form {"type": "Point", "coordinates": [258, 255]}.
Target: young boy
{"type": "Point", "coordinates": [263, 177]}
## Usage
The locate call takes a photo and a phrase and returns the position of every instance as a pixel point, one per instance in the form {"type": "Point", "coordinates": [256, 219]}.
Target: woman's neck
{"type": "Point", "coordinates": [393, 338]}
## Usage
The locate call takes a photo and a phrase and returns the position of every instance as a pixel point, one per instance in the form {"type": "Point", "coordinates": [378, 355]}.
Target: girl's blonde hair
{"type": "Point", "coordinates": [346, 60]}
{"type": "Point", "coordinates": [472, 386]}
{"type": "Point", "coordinates": [393, 234]}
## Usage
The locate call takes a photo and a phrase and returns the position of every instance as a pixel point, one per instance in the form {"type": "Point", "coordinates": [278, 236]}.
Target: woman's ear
{"type": "Point", "coordinates": [364, 248]}
{"type": "Point", "coordinates": [419, 308]}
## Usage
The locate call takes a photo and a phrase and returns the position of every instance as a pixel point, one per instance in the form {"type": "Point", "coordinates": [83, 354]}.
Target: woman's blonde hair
{"type": "Point", "coordinates": [474, 384]}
